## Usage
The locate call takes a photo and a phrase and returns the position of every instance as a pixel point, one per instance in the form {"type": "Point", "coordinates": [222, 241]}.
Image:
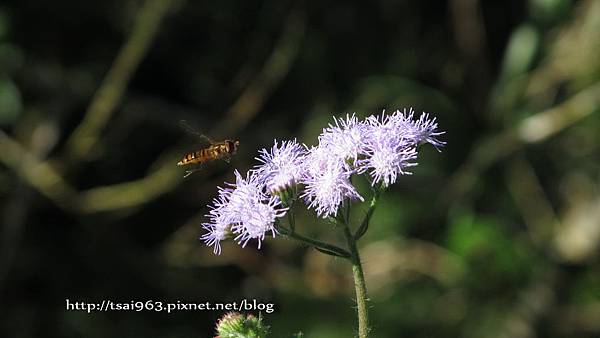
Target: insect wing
{"type": "Point", "coordinates": [204, 140]}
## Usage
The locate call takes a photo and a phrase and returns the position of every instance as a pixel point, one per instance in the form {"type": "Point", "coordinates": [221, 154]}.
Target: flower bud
{"type": "Point", "coordinates": [235, 325]}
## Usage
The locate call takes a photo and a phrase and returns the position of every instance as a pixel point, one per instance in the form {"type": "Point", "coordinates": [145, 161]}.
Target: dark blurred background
{"type": "Point", "coordinates": [497, 236]}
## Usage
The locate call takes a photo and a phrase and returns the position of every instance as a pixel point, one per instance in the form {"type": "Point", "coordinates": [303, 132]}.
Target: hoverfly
{"type": "Point", "coordinates": [222, 150]}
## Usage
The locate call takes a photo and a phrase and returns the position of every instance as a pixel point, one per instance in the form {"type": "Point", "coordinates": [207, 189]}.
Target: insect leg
{"type": "Point", "coordinates": [192, 170]}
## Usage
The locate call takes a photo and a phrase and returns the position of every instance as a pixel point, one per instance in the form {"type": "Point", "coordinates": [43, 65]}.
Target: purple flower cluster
{"type": "Point", "coordinates": [383, 147]}
{"type": "Point", "coordinates": [242, 210]}
{"type": "Point", "coordinates": [326, 180]}
{"type": "Point", "coordinates": [281, 166]}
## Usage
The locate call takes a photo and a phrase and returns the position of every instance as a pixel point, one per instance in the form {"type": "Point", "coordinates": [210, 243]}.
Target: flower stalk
{"type": "Point", "coordinates": [364, 225]}
{"type": "Point", "coordinates": [360, 285]}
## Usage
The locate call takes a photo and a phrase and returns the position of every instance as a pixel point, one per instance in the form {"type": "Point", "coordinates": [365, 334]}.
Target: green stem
{"type": "Point", "coordinates": [365, 223]}
{"type": "Point", "coordinates": [359, 284]}
{"type": "Point", "coordinates": [321, 246]}
{"type": "Point", "coordinates": [347, 212]}
{"type": "Point", "coordinates": [291, 220]}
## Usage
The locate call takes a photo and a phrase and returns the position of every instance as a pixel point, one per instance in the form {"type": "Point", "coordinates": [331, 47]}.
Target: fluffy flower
{"type": "Point", "coordinates": [344, 138]}
{"type": "Point", "coordinates": [242, 194]}
{"type": "Point", "coordinates": [281, 166]}
{"type": "Point", "coordinates": [317, 160]}
{"type": "Point", "coordinates": [423, 130]}
{"type": "Point", "coordinates": [258, 220]}
{"type": "Point", "coordinates": [219, 225]}
{"type": "Point", "coordinates": [388, 158]}
{"type": "Point", "coordinates": [383, 146]}
{"type": "Point", "coordinates": [389, 147]}
{"type": "Point", "coordinates": [243, 210]}
{"type": "Point", "coordinates": [327, 182]}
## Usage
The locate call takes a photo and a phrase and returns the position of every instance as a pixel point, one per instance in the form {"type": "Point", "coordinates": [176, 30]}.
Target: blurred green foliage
{"type": "Point", "coordinates": [496, 236]}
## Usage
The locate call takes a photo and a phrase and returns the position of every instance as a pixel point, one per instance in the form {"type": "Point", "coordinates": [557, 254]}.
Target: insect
{"type": "Point", "coordinates": [213, 151]}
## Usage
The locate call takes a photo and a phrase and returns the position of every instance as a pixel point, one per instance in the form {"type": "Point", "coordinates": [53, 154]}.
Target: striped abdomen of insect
{"type": "Point", "coordinates": [213, 152]}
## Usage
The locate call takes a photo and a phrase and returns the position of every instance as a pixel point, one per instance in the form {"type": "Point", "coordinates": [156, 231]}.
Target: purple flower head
{"type": "Point", "coordinates": [316, 161]}
{"type": "Point", "coordinates": [242, 209]}
{"type": "Point", "coordinates": [388, 158]}
{"type": "Point", "coordinates": [345, 138]}
{"type": "Point", "coordinates": [219, 226]}
{"type": "Point", "coordinates": [423, 130]}
{"type": "Point", "coordinates": [389, 149]}
{"type": "Point", "coordinates": [326, 182]}
{"type": "Point", "coordinates": [281, 166]}
{"type": "Point", "coordinates": [259, 220]}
